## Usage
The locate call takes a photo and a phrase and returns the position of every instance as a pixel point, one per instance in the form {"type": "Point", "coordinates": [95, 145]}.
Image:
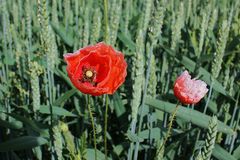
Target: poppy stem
{"type": "Point", "coordinates": [93, 126]}
{"type": "Point", "coordinates": [173, 115]}
{"type": "Point", "coordinates": [105, 127]}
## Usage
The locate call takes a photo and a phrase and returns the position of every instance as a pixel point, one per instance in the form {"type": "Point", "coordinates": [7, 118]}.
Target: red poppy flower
{"type": "Point", "coordinates": [97, 69]}
{"type": "Point", "coordinates": [189, 91]}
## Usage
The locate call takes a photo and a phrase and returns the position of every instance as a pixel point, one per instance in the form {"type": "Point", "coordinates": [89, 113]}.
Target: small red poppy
{"type": "Point", "coordinates": [189, 91]}
{"type": "Point", "coordinates": [97, 69]}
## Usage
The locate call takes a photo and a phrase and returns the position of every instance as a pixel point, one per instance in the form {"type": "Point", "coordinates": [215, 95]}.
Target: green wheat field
{"type": "Point", "coordinates": [43, 116]}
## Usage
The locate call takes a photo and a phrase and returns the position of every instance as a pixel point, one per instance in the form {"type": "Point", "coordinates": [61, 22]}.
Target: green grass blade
{"type": "Point", "coordinates": [188, 115]}
{"type": "Point", "coordinates": [12, 125]}
{"type": "Point", "coordinates": [20, 143]}
{"type": "Point", "coordinates": [56, 111]}
{"type": "Point", "coordinates": [222, 154]}
{"type": "Point", "coordinates": [62, 99]}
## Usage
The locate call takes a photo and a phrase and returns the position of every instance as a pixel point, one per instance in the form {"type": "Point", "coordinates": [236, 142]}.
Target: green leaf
{"type": "Point", "coordinates": [62, 99]}
{"type": "Point", "coordinates": [67, 37]}
{"type": "Point", "coordinates": [25, 142]}
{"type": "Point", "coordinates": [37, 151]}
{"type": "Point", "coordinates": [155, 133]}
{"type": "Point", "coordinates": [171, 150]}
{"type": "Point", "coordinates": [31, 124]}
{"type": "Point", "coordinates": [91, 154]}
{"type": "Point", "coordinates": [222, 154]}
{"type": "Point", "coordinates": [56, 110]}
{"type": "Point", "coordinates": [126, 40]}
{"type": "Point", "coordinates": [236, 152]}
{"type": "Point", "coordinates": [133, 137]}
{"type": "Point", "coordinates": [213, 106]}
{"type": "Point", "coordinates": [61, 74]}
{"type": "Point", "coordinates": [64, 76]}
{"type": "Point", "coordinates": [118, 149]}
{"type": "Point", "coordinates": [188, 115]}
{"type": "Point", "coordinates": [12, 125]}
{"type": "Point", "coordinates": [118, 105]}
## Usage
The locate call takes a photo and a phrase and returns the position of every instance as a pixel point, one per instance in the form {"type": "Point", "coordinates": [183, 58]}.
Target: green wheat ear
{"type": "Point", "coordinates": [115, 18]}
{"type": "Point", "coordinates": [210, 139]}
{"type": "Point", "coordinates": [83, 146]}
{"type": "Point", "coordinates": [58, 142]}
{"type": "Point", "coordinates": [69, 141]}
{"type": "Point", "coordinates": [35, 71]}
{"type": "Point", "coordinates": [96, 26]}
{"type": "Point", "coordinates": [199, 156]}
{"type": "Point", "coordinates": [138, 73]}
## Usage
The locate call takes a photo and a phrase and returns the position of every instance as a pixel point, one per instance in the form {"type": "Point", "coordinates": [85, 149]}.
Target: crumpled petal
{"type": "Point", "coordinates": [189, 91]}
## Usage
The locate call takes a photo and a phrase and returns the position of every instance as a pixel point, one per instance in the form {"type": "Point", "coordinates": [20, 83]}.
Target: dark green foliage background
{"type": "Point", "coordinates": [42, 115]}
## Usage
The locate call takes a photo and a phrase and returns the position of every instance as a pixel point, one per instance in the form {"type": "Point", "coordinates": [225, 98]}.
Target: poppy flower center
{"type": "Point", "coordinates": [88, 75]}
